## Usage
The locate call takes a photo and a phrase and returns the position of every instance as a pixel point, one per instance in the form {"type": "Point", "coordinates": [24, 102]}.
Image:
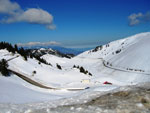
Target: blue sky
{"type": "Point", "coordinates": [79, 23]}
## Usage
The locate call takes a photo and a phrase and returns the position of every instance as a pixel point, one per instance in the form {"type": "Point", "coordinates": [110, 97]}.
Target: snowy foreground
{"type": "Point", "coordinates": [125, 99]}
{"type": "Point", "coordinates": [124, 63]}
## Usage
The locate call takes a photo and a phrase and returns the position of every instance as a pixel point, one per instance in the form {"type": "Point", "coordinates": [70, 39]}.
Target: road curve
{"type": "Point", "coordinates": [35, 83]}
{"type": "Point", "coordinates": [30, 80]}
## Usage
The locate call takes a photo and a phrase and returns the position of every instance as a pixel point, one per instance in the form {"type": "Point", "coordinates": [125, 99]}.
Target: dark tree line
{"type": "Point", "coordinates": [39, 59]}
{"type": "Point", "coordinates": [8, 46]}
{"type": "Point", "coordinates": [14, 49]}
{"type": "Point", "coordinates": [82, 70]}
{"type": "Point", "coordinates": [25, 53]}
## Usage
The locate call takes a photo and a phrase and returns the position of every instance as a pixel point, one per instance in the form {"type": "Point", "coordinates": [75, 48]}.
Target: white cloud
{"type": "Point", "coordinates": [135, 19]}
{"type": "Point", "coordinates": [52, 27]}
{"type": "Point", "coordinates": [30, 44]}
{"type": "Point", "coordinates": [37, 16]}
{"type": "Point", "coordinates": [32, 15]}
{"type": "Point", "coordinates": [8, 7]}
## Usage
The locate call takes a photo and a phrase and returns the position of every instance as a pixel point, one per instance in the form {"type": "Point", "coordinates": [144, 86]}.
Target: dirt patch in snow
{"type": "Point", "coordinates": [134, 100]}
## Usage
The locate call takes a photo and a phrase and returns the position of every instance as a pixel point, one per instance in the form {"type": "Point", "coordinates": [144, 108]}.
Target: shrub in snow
{"type": "Point", "coordinates": [86, 72]}
{"type": "Point", "coordinates": [118, 51]}
{"type": "Point", "coordinates": [107, 63]}
{"type": "Point", "coordinates": [3, 67]}
{"type": "Point", "coordinates": [33, 73]}
{"type": "Point", "coordinates": [130, 69]}
{"type": "Point", "coordinates": [107, 45]}
{"type": "Point", "coordinates": [25, 58]}
{"type": "Point", "coordinates": [78, 67]}
{"type": "Point", "coordinates": [97, 48]}
{"type": "Point", "coordinates": [74, 66]}
{"type": "Point", "coordinates": [90, 74]}
{"type": "Point", "coordinates": [58, 66]}
{"type": "Point", "coordinates": [50, 64]}
{"type": "Point", "coordinates": [122, 43]}
{"type": "Point", "coordinates": [82, 70]}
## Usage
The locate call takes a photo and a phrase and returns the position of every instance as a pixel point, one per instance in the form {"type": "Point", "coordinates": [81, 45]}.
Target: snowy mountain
{"type": "Point", "coordinates": [120, 63]}
{"type": "Point", "coordinates": [43, 51]}
{"type": "Point", "coordinates": [61, 49]}
{"type": "Point", "coordinates": [127, 54]}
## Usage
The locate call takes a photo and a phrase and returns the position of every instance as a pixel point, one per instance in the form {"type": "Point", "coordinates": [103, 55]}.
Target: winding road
{"type": "Point", "coordinates": [35, 83]}
{"type": "Point", "coordinates": [117, 68]}
{"type": "Point", "coordinates": [123, 69]}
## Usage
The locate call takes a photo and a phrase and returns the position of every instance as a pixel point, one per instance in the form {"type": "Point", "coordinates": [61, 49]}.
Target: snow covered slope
{"type": "Point", "coordinates": [122, 62]}
{"type": "Point", "coordinates": [15, 90]}
{"type": "Point", "coordinates": [45, 74]}
{"type": "Point", "coordinates": [132, 53]}
{"type": "Point", "coordinates": [135, 56]}
{"type": "Point", "coordinates": [54, 59]}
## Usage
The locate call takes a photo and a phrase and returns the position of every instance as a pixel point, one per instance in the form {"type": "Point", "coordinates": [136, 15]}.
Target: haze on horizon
{"type": "Point", "coordinates": [72, 23]}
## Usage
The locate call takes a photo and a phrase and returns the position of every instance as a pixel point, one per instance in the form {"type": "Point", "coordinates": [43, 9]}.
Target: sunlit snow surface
{"type": "Point", "coordinates": [20, 96]}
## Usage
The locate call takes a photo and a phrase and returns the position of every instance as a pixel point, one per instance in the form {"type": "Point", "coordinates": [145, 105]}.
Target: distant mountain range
{"type": "Point", "coordinates": [64, 50]}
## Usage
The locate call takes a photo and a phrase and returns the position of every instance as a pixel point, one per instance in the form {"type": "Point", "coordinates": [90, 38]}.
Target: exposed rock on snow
{"type": "Point", "coordinates": [133, 99]}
